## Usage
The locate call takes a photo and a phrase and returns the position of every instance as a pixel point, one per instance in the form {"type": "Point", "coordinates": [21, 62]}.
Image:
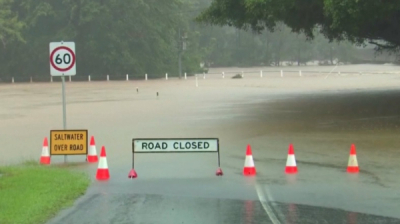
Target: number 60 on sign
{"type": "Point", "coordinates": [62, 58]}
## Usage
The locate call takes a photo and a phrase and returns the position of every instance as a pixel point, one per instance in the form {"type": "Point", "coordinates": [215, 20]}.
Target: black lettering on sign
{"type": "Point", "coordinates": [75, 147]}
{"type": "Point", "coordinates": [176, 145]}
{"type": "Point", "coordinates": [157, 146]}
{"type": "Point", "coordinates": [206, 145]}
{"type": "Point", "coordinates": [144, 145]}
{"type": "Point", "coordinates": [187, 145]}
{"type": "Point", "coordinates": [151, 145]}
{"type": "Point", "coordinates": [61, 147]}
{"type": "Point", "coordinates": [164, 145]}
{"type": "Point", "coordinates": [199, 144]}
{"type": "Point", "coordinates": [81, 137]}
{"type": "Point", "coordinates": [194, 146]}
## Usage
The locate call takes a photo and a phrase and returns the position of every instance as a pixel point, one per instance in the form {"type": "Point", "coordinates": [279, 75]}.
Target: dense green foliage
{"type": "Point", "coordinates": [135, 37]}
{"type": "Point", "coordinates": [112, 37]}
{"type": "Point", "coordinates": [356, 20]}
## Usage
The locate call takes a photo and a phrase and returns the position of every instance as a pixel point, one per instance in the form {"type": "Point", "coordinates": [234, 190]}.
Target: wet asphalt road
{"type": "Point", "coordinates": [138, 208]}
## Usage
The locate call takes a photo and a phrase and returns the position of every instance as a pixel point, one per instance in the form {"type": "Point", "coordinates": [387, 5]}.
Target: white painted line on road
{"type": "Point", "coordinates": [264, 203]}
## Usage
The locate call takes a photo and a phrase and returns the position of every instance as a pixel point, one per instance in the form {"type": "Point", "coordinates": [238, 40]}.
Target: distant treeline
{"type": "Point", "coordinates": [142, 36]}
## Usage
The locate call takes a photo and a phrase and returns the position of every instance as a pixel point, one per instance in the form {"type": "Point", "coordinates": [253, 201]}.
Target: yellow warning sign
{"type": "Point", "coordinates": [68, 142]}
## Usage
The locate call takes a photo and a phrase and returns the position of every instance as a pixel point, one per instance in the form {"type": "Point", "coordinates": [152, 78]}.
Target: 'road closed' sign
{"type": "Point", "coordinates": [68, 142]}
{"type": "Point", "coordinates": [176, 145]}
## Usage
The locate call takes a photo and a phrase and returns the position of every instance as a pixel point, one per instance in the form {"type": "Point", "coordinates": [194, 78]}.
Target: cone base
{"type": "Point", "coordinates": [45, 160]}
{"type": "Point", "coordinates": [291, 169]}
{"type": "Point", "coordinates": [92, 159]}
{"type": "Point", "coordinates": [219, 172]}
{"type": "Point", "coordinates": [249, 171]}
{"type": "Point", "coordinates": [132, 174]}
{"type": "Point", "coordinates": [102, 174]}
{"type": "Point", "coordinates": [353, 169]}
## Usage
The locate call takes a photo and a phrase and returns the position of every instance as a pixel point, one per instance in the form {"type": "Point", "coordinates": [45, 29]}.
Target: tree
{"type": "Point", "coordinates": [10, 25]}
{"type": "Point", "coordinates": [112, 37]}
{"type": "Point", "coordinates": [375, 21]}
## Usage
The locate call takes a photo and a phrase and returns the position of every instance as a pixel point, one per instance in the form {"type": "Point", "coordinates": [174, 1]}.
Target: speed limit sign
{"type": "Point", "coordinates": [62, 59]}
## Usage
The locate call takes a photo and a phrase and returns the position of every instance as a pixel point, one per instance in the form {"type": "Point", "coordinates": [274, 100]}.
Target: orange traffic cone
{"type": "Point", "coordinates": [92, 154]}
{"type": "Point", "coordinates": [102, 170]}
{"type": "Point", "coordinates": [45, 157]}
{"type": "Point", "coordinates": [352, 166]}
{"type": "Point", "coordinates": [249, 168]}
{"type": "Point", "coordinates": [291, 166]}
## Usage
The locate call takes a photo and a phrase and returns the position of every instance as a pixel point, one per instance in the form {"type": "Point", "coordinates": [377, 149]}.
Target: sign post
{"type": "Point", "coordinates": [63, 63]}
{"type": "Point", "coordinates": [175, 145]}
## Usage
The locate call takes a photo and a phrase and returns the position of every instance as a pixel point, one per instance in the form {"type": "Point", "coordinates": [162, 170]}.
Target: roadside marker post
{"type": "Point", "coordinates": [63, 63]}
{"type": "Point", "coordinates": [175, 145]}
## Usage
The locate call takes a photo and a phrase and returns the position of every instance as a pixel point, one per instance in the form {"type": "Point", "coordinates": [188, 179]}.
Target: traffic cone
{"type": "Point", "coordinates": [45, 157]}
{"type": "Point", "coordinates": [92, 154]}
{"type": "Point", "coordinates": [249, 168]}
{"type": "Point", "coordinates": [102, 170]}
{"type": "Point", "coordinates": [291, 166]}
{"type": "Point", "coordinates": [352, 166]}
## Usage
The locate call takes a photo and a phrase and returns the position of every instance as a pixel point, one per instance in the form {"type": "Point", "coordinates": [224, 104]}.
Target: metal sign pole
{"type": "Point", "coordinates": [64, 109]}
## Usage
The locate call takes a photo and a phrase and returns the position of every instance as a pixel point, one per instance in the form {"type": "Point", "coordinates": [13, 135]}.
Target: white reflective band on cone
{"type": "Point", "coordinates": [92, 150]}
{"type": "Point", "coordinates": [248, 162]}
{"type": "Point", "coordinates": [291, 161]}
{"type": "Point", "coordinates": [103, 163]}
{"type": "Point", "coordinates": [45, 151]}
{"type": "Point", "coordinates": [353, 160]}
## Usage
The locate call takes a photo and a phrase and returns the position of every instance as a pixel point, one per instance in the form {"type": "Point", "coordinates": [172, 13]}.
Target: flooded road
{"type": "Point", "coordinates": [320, 116]}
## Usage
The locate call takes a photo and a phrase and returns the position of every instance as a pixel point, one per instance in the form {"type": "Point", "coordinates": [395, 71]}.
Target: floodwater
{"type": "Point", "coordinates": [321, 113]}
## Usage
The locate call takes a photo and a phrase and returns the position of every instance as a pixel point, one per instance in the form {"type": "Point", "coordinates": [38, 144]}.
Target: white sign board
{"type": "Point", "coordinates": [175, 145]}
{"type": "Point", "coordinates": [62, 59]}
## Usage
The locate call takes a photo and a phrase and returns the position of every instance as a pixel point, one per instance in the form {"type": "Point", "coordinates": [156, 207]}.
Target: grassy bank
{"type": "Point", "coordinates": [30, 193]}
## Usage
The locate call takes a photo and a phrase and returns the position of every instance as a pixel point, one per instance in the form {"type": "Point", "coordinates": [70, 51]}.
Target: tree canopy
{"type": "Point", "coordinates": [112, 37]}
{"type": "Point", "coordinates": [138, 37]}
{"type": "Point", "coordinates": [374, 21]}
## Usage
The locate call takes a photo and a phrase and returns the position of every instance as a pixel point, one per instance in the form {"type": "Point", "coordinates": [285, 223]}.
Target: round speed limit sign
{"type": "Point", "coordinates": [62, 58]}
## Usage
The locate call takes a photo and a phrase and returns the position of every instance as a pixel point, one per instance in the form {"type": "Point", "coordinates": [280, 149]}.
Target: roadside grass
{"type": "Point", "coordinates": [32, 194]}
